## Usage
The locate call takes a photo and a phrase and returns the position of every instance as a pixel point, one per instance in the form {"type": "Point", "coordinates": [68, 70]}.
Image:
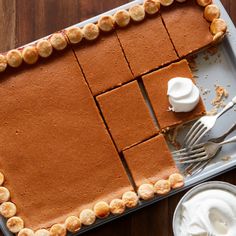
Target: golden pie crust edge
{"type": "Point", "coordinates": [106, 23]}
{"type": "Point", "coordinates": [86, 217]}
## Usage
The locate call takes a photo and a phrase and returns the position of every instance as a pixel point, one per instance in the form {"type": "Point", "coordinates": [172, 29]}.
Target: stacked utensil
{"type": "Point", "coordinates": [197, 156]}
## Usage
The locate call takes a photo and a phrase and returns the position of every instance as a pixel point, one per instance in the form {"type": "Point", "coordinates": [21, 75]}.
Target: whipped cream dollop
{"type": "Point", "coordinates": [183, 94]}
{"type": "Point", "coordinates": [210, 212]}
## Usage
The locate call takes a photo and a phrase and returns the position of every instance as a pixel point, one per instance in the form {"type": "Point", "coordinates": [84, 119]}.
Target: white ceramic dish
{"type": "Point", "coordinates": [199, 188]}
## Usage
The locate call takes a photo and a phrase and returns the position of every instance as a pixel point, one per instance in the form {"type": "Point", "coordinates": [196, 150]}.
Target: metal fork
{"type": "Point", "coordinates": [200, 152]}
{"type": "Point", "coordinates": [195, 168]}
{"type": "Point", "coordinates": [203, 125]}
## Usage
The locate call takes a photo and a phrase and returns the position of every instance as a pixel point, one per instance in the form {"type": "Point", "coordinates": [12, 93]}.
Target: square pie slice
{"type": "Point", "coordinates": [150, 161]}
{"type": "Point", "coordinates": [103, 63]}
{"type": "Point", "coordinates": [127, 115]}
{"type": "Point", "coordinates": [55, 151]}
{"type": "Point", "coordinates": [156, 85]}
{"type": "Point", "coordinates": [187, 27]}
{"type": "Point", "coordinates": [146, 45]}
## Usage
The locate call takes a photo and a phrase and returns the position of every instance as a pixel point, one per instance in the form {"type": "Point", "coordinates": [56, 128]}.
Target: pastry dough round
{"type": "Point", "coordinates": [57, 230]}
{"type": "Point", "coordinates": [15, 224]}
{"type": "Point", "coordinates": [42, 232]}
{"type": "Point", "coordinates": [1, 174]}
{"type": "Point", "coordinates": [101, 209]}
{"type": "Point", "coordinates": [4, 194]}
{"type": "Point", "coordinates": [137, 13]}
{"type": "Point", "coordinates": [166, 2]}
{"type": "Point", "coordinates": [7, 209]}
{"type": "Point", "coordinates": [3, 63]}
{"type": "Point", "coordinates": [44, 48]}
{"type": "Point", "coordinates": [211, 12]}
{"type": "Point", "coordinates": [30, 55]}
{"type": "Point", "coordinates": [117, 206]}
{"type": "Point", "coordinates": [14, 58]}
{"type": "Point", "coordinates": [91, 31]}
{"type": "Point", "coordinates": [26, 232]}
{"type": "Point", "coordinates": [58, 41]}
{"type": "Point", "coordinates": [218, 25]}
{"type": "Point", "coordinates": [74, 34]}
{"type": "Point", "coordinates": [176, 180]}
{"type": "Point", "coordinates": [152, 6]}
{"type": "Point", "coordinates": [204, 3]}
{"type": "Point", "coordinates": [106, 23]}
{"type": "Point", "coordinates": [73, 224]}
{"type": "Point", "coordinates": [122, 18]}
{"type": "Point", "coordinates": [218, 37]}
{"type": "Point", "coordinates": [162, 187]}
{"type": "Point", "coordinates": [146, 191]}
{"type": "Point", "coordinates": [130, 199]}
{"type": "Point", "coordinates": [87, 217]}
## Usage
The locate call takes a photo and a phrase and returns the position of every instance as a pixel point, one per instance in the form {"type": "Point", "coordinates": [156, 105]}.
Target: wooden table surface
{"type": "Point", "coordinates": [22, 21]}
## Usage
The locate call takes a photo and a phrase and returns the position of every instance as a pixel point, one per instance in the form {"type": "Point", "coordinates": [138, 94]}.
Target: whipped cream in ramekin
{"type": "Point", "coordinates": [210, 212]}
{"type": "Point", "coordinates": [183, 94]}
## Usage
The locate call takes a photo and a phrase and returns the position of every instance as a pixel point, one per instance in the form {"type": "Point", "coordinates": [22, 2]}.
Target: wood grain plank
{"type": "Point", "coordinates": [7, 25]}
{"type": "Point", "coordinates": [36, 19]}
{"type": "Point", "coordinates": [230, 6]}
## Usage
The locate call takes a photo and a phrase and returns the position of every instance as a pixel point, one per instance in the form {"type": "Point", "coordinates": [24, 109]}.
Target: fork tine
{"type": "Point", "coordinates": [191, 130]}
{"type": "Point", "coordinates": [197, 123]}
{"type": "Point", "coordinates": [199, 138]}
{"type": "Point", "coordinates": [188, 149]}
{"type": "Point", "coordinates": [201, 167]}
{"type": "Point", "coordinates": [196, 168]}
{"type": "Point", "coordinates": [193, 134]}
{"type": "Point", "coordinates": [190, 168]}
{"type": "Point", "coordinates": [204, 158]}
{"type": "Point", "coordinates": [190, 154]}
{"type": "Point", "coordinates": [180, 155]}
{"type": "Point", "coordinates": [192, 157]}
{"type": "Point", "coordinates": [196, 146]}
{"type": "Point", "coordinates": [198, 135]}
{"type": "Point", "coordinates": [179, 151]}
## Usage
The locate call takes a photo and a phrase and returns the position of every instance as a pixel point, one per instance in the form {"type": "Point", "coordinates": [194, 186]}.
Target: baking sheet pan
{"type": "Point", "coordinates": [218, 69]}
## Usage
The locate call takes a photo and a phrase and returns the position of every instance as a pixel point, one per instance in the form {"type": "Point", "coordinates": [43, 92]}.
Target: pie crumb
{"type": "Point", "coordinates": [221, 95]}
{"type": "Point", "coordinates": [226, 158]}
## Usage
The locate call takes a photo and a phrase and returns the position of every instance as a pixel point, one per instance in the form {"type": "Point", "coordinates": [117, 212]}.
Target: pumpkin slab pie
{"type": "Point", "coordinates": [150, 161]}
{"type": "Point", "coordinates": [55, 152]}
{"type": "Point", "coordinates": [187, 27]}
{"type": "Point", "coordinates": [146, 45]}
{"type": "Point", "coordinates": [156, 85]}
{"type": "Point", "coordinates": [126, 115]}
{"type": "Point", "coordinates": [103, 63]}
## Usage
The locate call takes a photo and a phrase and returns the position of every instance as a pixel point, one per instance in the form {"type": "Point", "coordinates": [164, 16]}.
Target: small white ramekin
{"type": "Point", "coordinates": [199, 188]}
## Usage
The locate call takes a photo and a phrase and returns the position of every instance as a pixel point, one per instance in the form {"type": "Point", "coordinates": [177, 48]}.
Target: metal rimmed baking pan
{"type": "Point", "coordinates": [218, 69]}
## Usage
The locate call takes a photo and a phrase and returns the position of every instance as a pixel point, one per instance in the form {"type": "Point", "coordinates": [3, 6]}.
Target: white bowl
{"type": "Point", "coordinates": [201, 187]}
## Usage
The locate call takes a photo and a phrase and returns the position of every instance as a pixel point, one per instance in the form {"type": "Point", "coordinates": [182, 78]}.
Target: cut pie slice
{"type": "Point", "coordinates": [146, 45]}
{"type": "Point", "coordinates": [150, 161]}
{"type": "Point", "coordinates": [187, 27]}
{"type": "Point", "coordinates": [156, 85]}
{"type": "Point", "coordinates": [126, 115]}
{"type": "Point", "coordinates": [103, 63]}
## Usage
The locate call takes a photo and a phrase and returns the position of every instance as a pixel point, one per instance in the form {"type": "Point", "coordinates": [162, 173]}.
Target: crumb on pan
{"type": "Point", "coordinates": [221, 95]}
{"type": "Point", "coordinates": [212, 112]}
{"type": "Point", "coordinates": [226, 158]}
